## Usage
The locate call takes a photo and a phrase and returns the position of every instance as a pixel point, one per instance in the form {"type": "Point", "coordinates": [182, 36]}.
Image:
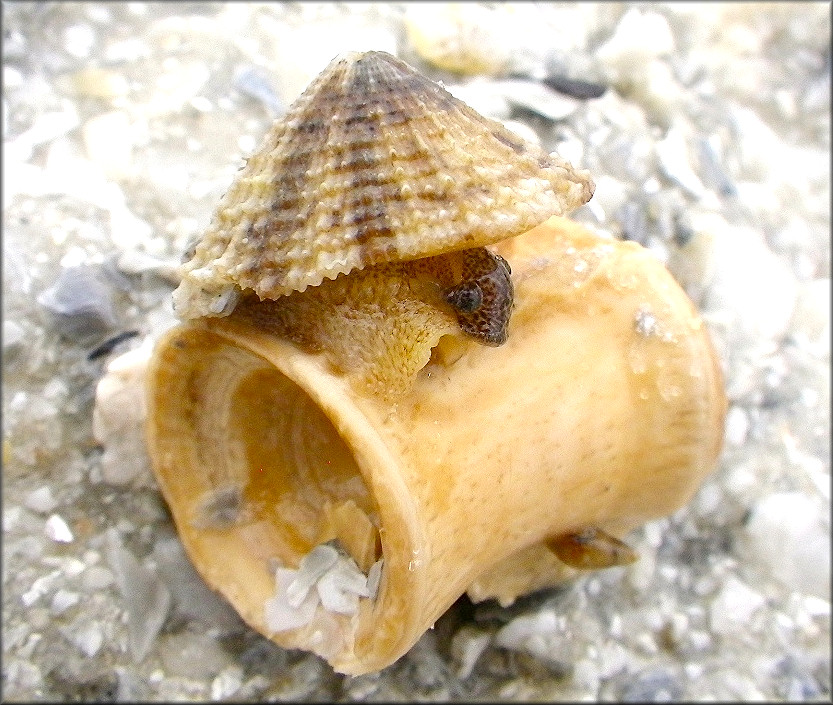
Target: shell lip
{"type": "Point", "coordinates": [400, 531]}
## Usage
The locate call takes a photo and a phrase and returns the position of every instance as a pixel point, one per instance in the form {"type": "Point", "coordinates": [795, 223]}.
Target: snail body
{"type": "Point", "coordinates": [483, 298]}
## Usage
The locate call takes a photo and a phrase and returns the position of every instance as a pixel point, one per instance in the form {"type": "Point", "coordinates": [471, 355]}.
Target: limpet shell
{"type": "Point", "coordinates": [374, 163]}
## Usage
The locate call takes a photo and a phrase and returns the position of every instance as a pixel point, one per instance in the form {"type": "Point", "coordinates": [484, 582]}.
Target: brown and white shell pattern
{"type": "Point", "coordinates": [373, 163]}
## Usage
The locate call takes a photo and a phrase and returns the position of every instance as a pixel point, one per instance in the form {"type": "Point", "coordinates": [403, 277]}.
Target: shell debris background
{"type": "Point", "coordinates": [748, 87]}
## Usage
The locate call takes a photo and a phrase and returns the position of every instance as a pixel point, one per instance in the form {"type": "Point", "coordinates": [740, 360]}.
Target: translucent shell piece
{"type": "Point", "coordinates": [591, 549]}
{"type": "Point", "coordinates": [374, 163]}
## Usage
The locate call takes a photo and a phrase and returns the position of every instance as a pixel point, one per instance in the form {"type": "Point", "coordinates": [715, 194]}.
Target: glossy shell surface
{"type": "Point", "coordinates": [374, 163]}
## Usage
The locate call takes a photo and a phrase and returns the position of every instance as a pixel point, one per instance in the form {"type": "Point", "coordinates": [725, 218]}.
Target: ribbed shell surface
{"type": "Point", "coordinates": [373, 163]}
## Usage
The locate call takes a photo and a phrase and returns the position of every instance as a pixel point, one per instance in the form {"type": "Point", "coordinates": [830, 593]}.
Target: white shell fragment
{"type": "Point", "coordinates": [341, 587]}
{"type": "Point", "coordinates": [280, 614]}
{"type": "Point", "coordinates": [40, 500]}
{"type": "Point", "coordinates": [57, 530]}
{"type": "Point", "coordinates": [374, 577]}
{"type": "Point", "coordinates": [317, 562]}
{"type": "Point", "coordinates": [338, 584]}
{"type": "Point", "coordinates": [119, 415]}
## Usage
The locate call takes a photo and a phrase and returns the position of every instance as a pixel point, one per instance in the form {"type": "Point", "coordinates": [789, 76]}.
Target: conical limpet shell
{"type": "Point", "coordinates": [374, 163]}
{"type": "Point", "coordinates": [603, 410]}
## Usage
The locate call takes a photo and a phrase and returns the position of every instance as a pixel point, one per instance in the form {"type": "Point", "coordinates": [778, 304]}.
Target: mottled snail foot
{"type": "Point", "coordinates": [380, 325]}
{"type": "Point", "coordinates": [377, 327]}
{"type": "Point", "coordinates": [591, 549]}
{"type": "Point", "coordinates": [483, 299]}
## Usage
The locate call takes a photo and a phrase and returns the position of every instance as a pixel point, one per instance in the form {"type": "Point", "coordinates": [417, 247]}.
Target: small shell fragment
{"type": "Point", "coordinates": [591, 549]}
{"type": "Point", "coordinates": [279, 614]}
{"type": "Point", "coordinates": [57, 530]}
{"type": "Point", "coordinates": [374, 163]}
{"type": "Point", "coordinates": [315, 564]}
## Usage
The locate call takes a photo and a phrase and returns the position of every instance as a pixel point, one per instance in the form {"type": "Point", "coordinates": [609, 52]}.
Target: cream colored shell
{"type": "Point", "coordinates": [374, 163]}
{"type": "Point", "coordinates": [604, 409]}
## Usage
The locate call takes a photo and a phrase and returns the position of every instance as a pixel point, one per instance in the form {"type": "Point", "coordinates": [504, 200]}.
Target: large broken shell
{"type": "Point", "coordinates": [344, 525]}
{"type": "Point", "coordinates": [374, 163]}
